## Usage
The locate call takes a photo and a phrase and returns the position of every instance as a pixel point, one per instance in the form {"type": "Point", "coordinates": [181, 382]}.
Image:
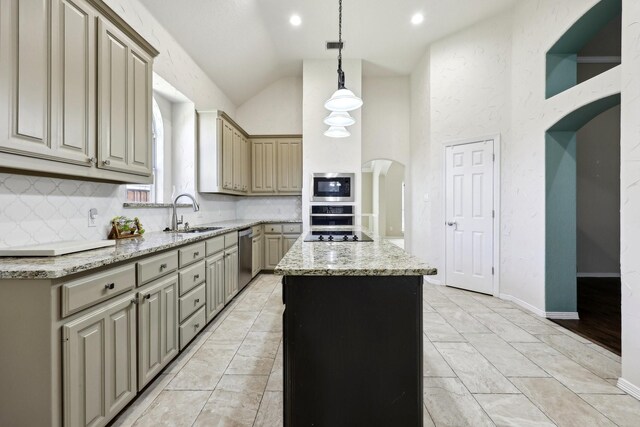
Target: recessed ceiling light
{"type": "Point", "coordinates": [295, 20]}
{"type": "Point", "coordinates": [417, 19]}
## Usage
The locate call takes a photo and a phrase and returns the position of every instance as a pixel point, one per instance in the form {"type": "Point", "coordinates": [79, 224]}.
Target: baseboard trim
{"type": "Point", "coordinates": [602, 275]}
{"type": "Point", "coordinates": [562, 315]}
{"type": "Point", "coordinates": [523, 304]}
{"type": "Point", "coordinates": [431, 281]}
{"type": "Point", "coordinates": [629, 388]}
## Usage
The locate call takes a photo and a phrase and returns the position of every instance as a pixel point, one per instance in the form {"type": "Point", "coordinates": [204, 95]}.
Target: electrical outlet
{"type": "Point", "coordinates": [93, 216]}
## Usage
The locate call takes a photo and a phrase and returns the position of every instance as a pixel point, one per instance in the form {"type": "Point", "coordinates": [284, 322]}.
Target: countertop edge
{"type": "Point", "coordinates": [57, 273]}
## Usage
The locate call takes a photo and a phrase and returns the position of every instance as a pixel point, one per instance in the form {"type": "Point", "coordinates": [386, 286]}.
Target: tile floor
{"type": "Point", "coordinates": [486, 363]}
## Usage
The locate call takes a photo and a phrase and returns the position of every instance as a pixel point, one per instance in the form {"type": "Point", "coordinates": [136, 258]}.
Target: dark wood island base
{"type": "Point", "coordinates": [352, 351]}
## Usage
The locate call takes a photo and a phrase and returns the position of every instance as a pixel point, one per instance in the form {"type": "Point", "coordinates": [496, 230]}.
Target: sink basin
{"type": "Point", "coordinates": [199, 229]}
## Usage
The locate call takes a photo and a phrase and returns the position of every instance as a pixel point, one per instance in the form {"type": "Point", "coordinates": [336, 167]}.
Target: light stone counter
{"type": "Point", "coordinates": [60, 266]}
{"type": "Point", "coordinates": [377, 258]}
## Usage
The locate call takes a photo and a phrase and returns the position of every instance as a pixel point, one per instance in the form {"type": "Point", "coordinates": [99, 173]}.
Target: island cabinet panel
{"type": "Point", "coordinates": [99, 364]}
{"type": "Point", "coordinates": [363, 365]}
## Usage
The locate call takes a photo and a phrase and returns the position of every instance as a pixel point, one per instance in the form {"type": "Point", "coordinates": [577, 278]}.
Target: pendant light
{"type": "Point", "coordinates": [337, 132]}
{"type": "Point", "coordinates": [339, 118]}
{"type": "Point", "coordinates": [343, 99]}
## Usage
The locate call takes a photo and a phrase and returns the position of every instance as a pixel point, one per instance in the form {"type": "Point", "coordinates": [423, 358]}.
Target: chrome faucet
{"type": "Point", "coordinates": [174, 218]}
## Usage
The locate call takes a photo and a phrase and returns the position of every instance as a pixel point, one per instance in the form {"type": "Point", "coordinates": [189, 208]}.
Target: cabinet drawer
{"type": "Point", "coordinates": [273, 228]}
{"type": "Point", "coordinates": [215, 245]}
{"type": "Point", "coordinates": [90, 290]}
{"type": "Point", "coordinates": [157, 266]}
{"type": "Point", "coordinates": [191, 327]}
{"type": "Point", "coordinates": [292, 228]}
{"type": "Point", "coordinates": [191, 302]}
{"type": "Point", "coordinates": [256, 230]}
{"type": "Point", "coordinates": [191, 254]}
{"type": "Point", "coordinates": [192, 277]}
{"type": "Point", "coordinates": [230, 239]}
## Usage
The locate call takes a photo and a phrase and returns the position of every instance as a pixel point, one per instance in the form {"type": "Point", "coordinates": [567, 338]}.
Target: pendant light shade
{"type": "Point", "coordinates": [337, 132]}
{"type": "Point", "coordinates": [339, 118]}
{"type": "Point", "coordinates": [343, 100]}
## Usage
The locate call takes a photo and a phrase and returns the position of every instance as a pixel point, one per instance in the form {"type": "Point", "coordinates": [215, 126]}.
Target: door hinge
{"type": "Point", "coordinates": [493, 271]}
{"type": "Point", "coordinates": [494, 157]}
{"type": "Point", "coordinates": [493, 214]}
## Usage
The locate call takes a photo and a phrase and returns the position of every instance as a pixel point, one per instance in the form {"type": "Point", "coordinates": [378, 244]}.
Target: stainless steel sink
{"type": "Point", "coordinates": [198, 229]}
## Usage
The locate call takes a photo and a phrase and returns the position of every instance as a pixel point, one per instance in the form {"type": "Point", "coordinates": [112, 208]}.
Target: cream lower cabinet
{"type": "Point", "coordinates": [157, 327]}
{"type": "Point", "coordinates": [99, 363]}
{"type": "Point", "coordinates": [287, 241]}
{"type": "Point", "coordinates": [215, 285]}
{"type": "Point", "coordinates": [257, 255]}
{"type": "Point", "coordinates": [272, 250]}
{"type": "Point", "coordinates": [230, 273]}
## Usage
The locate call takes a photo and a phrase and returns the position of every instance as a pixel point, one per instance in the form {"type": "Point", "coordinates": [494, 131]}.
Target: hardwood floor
{"type": "Point", "coordinates": [599, 302]}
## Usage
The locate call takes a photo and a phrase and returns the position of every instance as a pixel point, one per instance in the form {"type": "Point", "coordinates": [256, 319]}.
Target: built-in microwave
{"type": "Point", "coordinates": [332, 187]}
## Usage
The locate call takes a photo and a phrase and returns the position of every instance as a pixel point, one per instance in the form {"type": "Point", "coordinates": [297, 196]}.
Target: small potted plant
{"type": "Point", "coordinates": [125, 228]}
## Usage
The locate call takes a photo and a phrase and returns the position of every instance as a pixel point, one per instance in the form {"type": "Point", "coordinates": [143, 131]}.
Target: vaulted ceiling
{"type": "Point", "coordinates": [244, 45]}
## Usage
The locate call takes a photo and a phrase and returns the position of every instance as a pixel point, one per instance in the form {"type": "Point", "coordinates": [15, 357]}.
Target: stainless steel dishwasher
{"type": "Point", "coordinates": [245, 247]}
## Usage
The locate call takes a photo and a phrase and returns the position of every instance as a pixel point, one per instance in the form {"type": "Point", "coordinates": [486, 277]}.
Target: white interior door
{"type": "Point", "coordinates": [469, 216]}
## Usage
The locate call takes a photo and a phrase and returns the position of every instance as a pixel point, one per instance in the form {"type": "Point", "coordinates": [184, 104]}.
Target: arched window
{"type": "Point", "coordinates": [152, 193]}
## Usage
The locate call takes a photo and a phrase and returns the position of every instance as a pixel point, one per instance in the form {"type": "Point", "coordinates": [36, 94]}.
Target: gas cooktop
{"type": "Point", "coordinates": [337, 236]}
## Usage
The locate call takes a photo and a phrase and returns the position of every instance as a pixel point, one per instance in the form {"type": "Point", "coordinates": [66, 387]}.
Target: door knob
{"type": "Point", "coordinates": [452, 223]}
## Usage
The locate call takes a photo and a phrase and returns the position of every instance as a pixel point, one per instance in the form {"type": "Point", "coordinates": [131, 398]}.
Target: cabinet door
{"type": "Point", "coordinates": [272, 250]}
{"type": "Point", "coordinates": [246, 165]}
{"type": "Point", "coordinates": [215, 285]}
{"type": "Point", "coordinates": [139, 120]}
{"type": "Point", "coordinates": [157, 327]}
{"type": "Point", "coordinates": [231, 273]}
{"type": "Point", "coordinates": [237, 160]}
{"type": "Point", "coordinates": [287, 241]}
{"type": "Point", "coordinates": [227, 155]}
{"type": "Point", "coordinates": [289, 166]}
{"type": "Point", "coordinates": [73, 72]}
{"type": "Point", "coordinates": [263, 163]}
{"type": "Point", "coordinates": [255, 256]}
{"type": "Point", "coordinates": [24, 77]}
{"type": "Point", "coordinates": [124, 103]}
{"type": "Point", "coordinates": [99, 364]}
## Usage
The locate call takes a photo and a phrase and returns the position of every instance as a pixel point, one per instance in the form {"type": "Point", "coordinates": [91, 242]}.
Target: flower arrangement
{"type": "Point", "coordinates": [125, 228]}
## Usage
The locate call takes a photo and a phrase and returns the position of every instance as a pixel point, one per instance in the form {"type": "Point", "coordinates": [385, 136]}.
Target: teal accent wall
{"type": "Point", "coordinates": [562, 57]}
{"type": "Point", "coordinates": [560, 209]}
{"type": "Point", "coordinates": [562, 72]}
{"type": "Point", "coordinates": [561, 255]}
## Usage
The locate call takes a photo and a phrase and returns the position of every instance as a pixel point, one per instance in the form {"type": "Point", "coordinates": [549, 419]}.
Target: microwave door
{"type": "Point", "coordinates": [329, 189]}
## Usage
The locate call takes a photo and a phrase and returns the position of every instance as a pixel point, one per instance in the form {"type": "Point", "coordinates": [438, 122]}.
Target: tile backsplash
{"type": "Point", "coordinates": [41, 209]}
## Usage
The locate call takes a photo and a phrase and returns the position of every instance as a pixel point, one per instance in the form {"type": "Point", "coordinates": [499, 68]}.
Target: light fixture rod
{"type": "Point", "coordinates": [340, 72]}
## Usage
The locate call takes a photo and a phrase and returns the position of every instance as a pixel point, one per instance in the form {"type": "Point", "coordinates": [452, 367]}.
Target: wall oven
{"type": "Point", "coordinates": [332, 187]}
{"type": "Point", "coordinates": [331, 215]}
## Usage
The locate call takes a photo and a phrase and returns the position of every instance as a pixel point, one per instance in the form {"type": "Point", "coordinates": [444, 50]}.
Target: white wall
{"type": "Point", "coordinates": [276, 110]}
{"type": "Point", "coordinates": [166, 111]}
{"type": "Point", "coordinates": [320, 153]}
{"type": "Point", "coordinates": [184, 148]}
{"type": "Point", "coordinates": [630, 197]}
{"type": "Point", "coordinates": [173, 63]}
{"type": "Point", "coordinates": [386, 119]}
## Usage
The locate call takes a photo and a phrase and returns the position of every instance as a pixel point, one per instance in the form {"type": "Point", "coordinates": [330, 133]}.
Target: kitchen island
{"type": "Point", "coordinates": [352, 334]}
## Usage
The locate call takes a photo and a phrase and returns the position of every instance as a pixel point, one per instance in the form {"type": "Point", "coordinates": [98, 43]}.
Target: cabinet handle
{"type": "Point", "coordinates": [163, 266]}
{"type": "Point", "coordinates": [106, 162]}
{"type": "Point", "coordinates": [110, 286]}
{"type": "Point", "coordinates": [197, 325]}
{"type": "Point", "coordinates": [92, 160]}
{"type": "Point", "coordinates": [196, 254]}
{"type": "Point", "coordinates": [196, 301]}
{"type": "Point", "coordinates": [196, 276]}
{"type": "Point", "coordinates": [147, 297]}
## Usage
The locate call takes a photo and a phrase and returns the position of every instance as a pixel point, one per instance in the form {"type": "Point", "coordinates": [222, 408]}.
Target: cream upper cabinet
{"type": "Point", "coordinates": [75, 91]}
{"type": "Point", "coordinates": [99, 364]}
{"type": "Point", "coordinates": [31, 80]}
{"type": "Point", "coordinates": [237, 160]}
{"type": "Point", "coordinates": [124, 103]}
{"type": "Point", "coordinates": [289, 166]}
{"type": "Point", "coordinates": [227, 155]}
{"type": "Point", "coordinates": [246, 165]}
{"type": "Point", "coordinates": [263, 155]}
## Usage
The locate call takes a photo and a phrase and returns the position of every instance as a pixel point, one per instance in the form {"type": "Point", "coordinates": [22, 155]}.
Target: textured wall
{"type": "Point", "coordinates": [630, 194]}
{"type": "Point", "coordinates": [277, 109]}
{"type": "Point", "coordinates": [385, 119]}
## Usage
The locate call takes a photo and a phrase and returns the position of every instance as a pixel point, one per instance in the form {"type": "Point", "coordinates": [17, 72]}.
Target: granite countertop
{"type": "Point", "coordinates": [129, 249]}
{"type": "Point", "coordinates": [377, 258]}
